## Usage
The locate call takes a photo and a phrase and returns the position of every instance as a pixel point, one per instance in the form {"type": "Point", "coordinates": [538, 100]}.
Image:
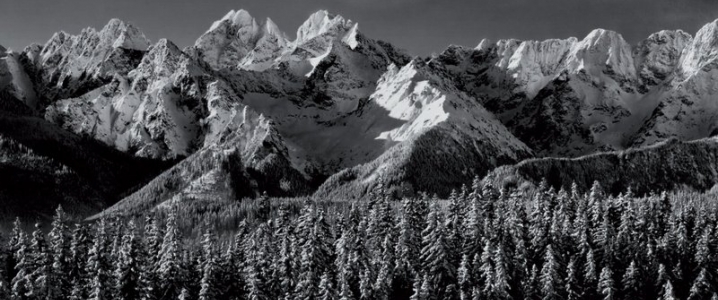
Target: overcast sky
{"type": "Point", "coordinates": [420, 26]}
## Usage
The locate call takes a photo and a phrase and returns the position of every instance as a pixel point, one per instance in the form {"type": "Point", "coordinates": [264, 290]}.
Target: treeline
{"type": "Point", "coordinates": [482, 243]}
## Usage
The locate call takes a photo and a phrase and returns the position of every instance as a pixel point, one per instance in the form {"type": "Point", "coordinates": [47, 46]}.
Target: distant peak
{"type": "Point", "coordinates": [126, 35]}
{"type": "Point", "coordinates": [485, 44]}
{"type": "Point", "coordinates": [601, 34]}
{"type": "Point", "coordinates": [271, 28]}
{"type": "Point", "coordinates": [240, 18]}
{"type": "Point", "coordinates": [321, 22]}
{"type": "Point", "coordinates": [165, 44]}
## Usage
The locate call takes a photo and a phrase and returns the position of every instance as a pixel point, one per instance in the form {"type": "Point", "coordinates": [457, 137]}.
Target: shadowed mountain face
{"type": "Point", "coordinates": [339, 113]}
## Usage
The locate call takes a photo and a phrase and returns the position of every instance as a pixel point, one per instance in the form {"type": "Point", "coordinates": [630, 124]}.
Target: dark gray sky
{"type": "Point", "coordinates": [420, 26]}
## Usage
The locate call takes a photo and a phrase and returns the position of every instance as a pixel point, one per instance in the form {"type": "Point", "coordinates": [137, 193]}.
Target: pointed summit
{"type": "Point", "coordinates": [600, 49]}
{"type": "Point", "coordinates": [271, 28]}
{"type": "Point", "coordinates": [240, 18]}
{"type": "Point", "coordinates": [322, 22]}
{"type": "Point", "coordinates": [485, 44]}
{"type": "Point", "coordinates": [703, 50]}
{"type": "Point", "coordinates": [124, 35]}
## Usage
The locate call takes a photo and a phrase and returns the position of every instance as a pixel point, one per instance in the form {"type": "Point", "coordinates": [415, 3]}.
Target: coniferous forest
{"type": "Point", "coordinates": [481, 243]}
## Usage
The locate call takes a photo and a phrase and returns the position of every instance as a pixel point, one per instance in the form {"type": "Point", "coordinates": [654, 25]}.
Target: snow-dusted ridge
{"type": "Point", "coordinates": [334, 102]}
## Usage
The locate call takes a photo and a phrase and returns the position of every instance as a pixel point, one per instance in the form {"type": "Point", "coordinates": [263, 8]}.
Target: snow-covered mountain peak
{"type": "Point", "coordinates": [484, 45]}
{"type": "Point", "coordinates": [125, 35]}
{"type": "Point", "coordinates": [322, 22]}
{"type": "Point", "coordinates": [269, 27]}
{"type": "Point", "coordinates": [656, 57]}
{"type": "Point", "coordinates": [229, 39]}
{"type": "Point", "coordinates": [240, 17]}
{"type": "Point", "coordinates": [702, 52]}
{"type": "Point", "coordinates": [603, 51]}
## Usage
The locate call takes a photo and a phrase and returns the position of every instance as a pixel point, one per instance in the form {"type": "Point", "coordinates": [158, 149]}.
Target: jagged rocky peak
{"type": "Point", "coordinates": [240, 18]}
{"type": "Point", "coordinates": [701, 52]}
{"type": "Point", "coordinates": [658, 56]}
{"type": "Point", "coordinates": [484, 45]}
{"type": "Point", "coordinates": [32, 52]}
{"type": "Point", "coordinates": [322, 22]}
{"type": "Point", "coordinates": [162, 59]}
{"type": "Point", "coordinates": [229, 40]}
{"type": "Point", "coordinates": [603, 51]}
{"type": "Point", "coordinates": [2, 50]}
{"type": "Point", "coordinates": [125, 35]}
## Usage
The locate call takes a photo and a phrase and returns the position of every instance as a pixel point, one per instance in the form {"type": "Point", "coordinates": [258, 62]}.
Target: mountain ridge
{"type": "Point", "coordinates": [339, 112]}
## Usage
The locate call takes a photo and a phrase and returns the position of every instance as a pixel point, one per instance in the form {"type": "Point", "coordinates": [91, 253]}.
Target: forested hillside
{"type": "Point", "coordinates": [482, 243]}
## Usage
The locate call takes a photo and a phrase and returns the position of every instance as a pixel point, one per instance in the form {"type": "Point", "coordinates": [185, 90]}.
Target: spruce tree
{"type": "Point", "coordinates": [701, 287]}
{"type": "Point", "coordinates": [208, 289]}
{"type": "Point", "coordinates": [434, 254]}
{"type": "Point", "coordinates": [79, 247]}
{"type": "Point", "coordinates": [97, 266]}
{"type": "Point", "coordinates": [169, 269]}
{"type": "Point", "coordinates": [58, 285]}
{"type": "Point", "coordinates": [605, 284]}
{"type": "Point", "coordinates": [326, 288]}
{"type": "Point", "coordinates": [21, 282]}
{"type": "Point", "coordinates": [126, 275]}
{"type": "Point", "coordinates": [631, 282]}
{"type": "Point", "coordinates": [550, 278]}
{"type": "Point", "coordinates": [572, 285]}
{"type": "Point", "coordinates": [39, 264]}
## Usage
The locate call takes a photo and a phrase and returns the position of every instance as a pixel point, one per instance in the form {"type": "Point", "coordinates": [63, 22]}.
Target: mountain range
{"type": "Point", "coordinates": [336, 114]}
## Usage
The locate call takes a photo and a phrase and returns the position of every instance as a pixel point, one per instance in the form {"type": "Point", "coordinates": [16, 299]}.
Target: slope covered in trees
{"type": "Point", "coordinates": [669, 165]}
{"type": "Point", "coordinates": [482, 243]}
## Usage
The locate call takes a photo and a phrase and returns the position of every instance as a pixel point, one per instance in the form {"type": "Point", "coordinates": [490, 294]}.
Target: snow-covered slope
{"type": "Point", "coordinates": [336, 103]}
{"type": "Point", "coordinates": [438, 137]}
{"type": "Point", "coordinates": [687, 108]}
{"type": "Point", "coordinates": [72, 64]}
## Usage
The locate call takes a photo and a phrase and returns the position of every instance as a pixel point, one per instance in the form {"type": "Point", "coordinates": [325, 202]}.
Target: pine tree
{"type": "Point", "coordinates": [550, 278]}
{"type": "Point", "coordinates": [258, 286]}
{"type": "Point", "coordinates": [326, 288]}
{"type": "Point", "coordinates": [184, 295]}
{"type": "Point", "coordinates": [21, 282]}
{"type": "Point", "coordinates": [365, 285]}
{"type": "Point", "coordinates": [434, 254]}
{"type": "Point", "coordinates": [383, 284]}
{"type": "Point", "coordinates": [39, 264]}
{"type": "Point", "coordinates": [14, 245]}
{"type": "Point", "coordinates": [668, 293]}
{"type": "Point", "coordinates": [97, 266]}
{"type": "Point", "coordinates": [701, 287]}
{"type": "Point", "coordinates": [501, 277]}
{"type": "Point", "coordinates": [147, 277]}
{"type": "Point", "coordinates": [169, 268]}
{"type": "Point", "coordinates": [631, 282]}
{"type": "Point", "coordinates": [345, 292]}
{"type": "Point", "coordinates": [126, 275]}
{"type": "Point", "coordinates": [590, 275]}
{"type": "Point", "coordinates": [530, 290]}
{"type": "Point", "coordinates": [79, 247]}
{"type": "Point", "coordinates": [605, 284]}
{"type": "Point", "coordinates": [573, 288]}
{"type": "Point", "coordinates": [208, 289]}
{"type": "Point", "coordinates": [426, 291]}
{"type": "Point", "coordinates": [58, 286]}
